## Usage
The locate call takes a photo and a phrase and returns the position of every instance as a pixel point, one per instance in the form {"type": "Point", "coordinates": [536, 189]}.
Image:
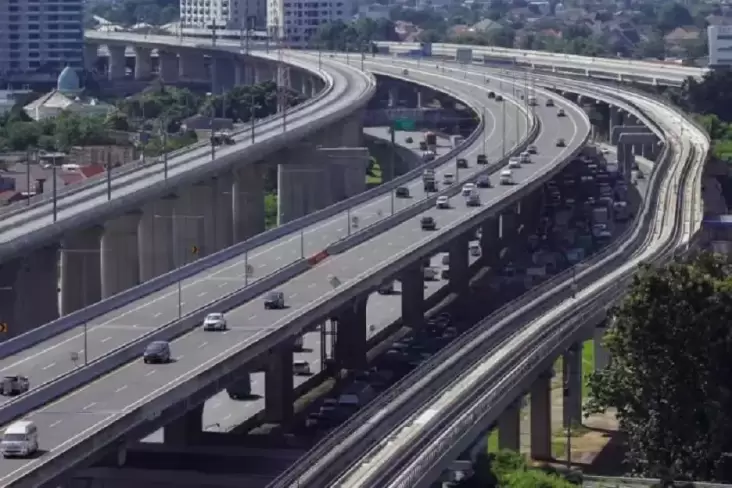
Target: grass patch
{"type": "Point", "coordinates": [492, 443]}
{"type": "Point", "coordinates": [559, 439]}
{"type": "Point", "coordinates": [270, 210]}
{"type": "Point", "coordinates": [588, 365]}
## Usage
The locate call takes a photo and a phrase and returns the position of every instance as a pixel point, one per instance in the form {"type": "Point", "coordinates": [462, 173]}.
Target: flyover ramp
{"type": "Point", "coordinates": [115, 397]}
{"type": "Point", "coordinates": [23, 228]}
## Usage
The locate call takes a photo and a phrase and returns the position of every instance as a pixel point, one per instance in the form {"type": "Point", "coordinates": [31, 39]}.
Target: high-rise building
{"type": "Point", "coordinates": [40, 36]}
{"type": "Point", "coordinates": [297, 20]}
{"type": "Point", "coordinates": [226, 14]}
{"type": "Point", "coordinates": [720, 45]}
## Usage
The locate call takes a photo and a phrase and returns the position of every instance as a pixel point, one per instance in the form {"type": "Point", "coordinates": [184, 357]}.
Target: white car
{"type": "Point", "coordinates": [214, 321]}
{"type": "Point", "coordinates": [506, 177]}
{"type": "Point", "coordinates": [443, 202]}
{"type": "Point", "coordinates": [514, 163]}
{"type": "Point", "coordinates": [448, 179]}
{"type": "Point", "coordinates": [468, 189]}
{"type": "Point", "coordinates": [525, 157]}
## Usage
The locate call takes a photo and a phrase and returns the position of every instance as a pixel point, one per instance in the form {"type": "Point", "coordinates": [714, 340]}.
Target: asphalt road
{"type": "Point", "coordinates": [80, 413]}
{"type": "Point", "coordinates": [347, 88]}
{"type": "Point", "coordinates": [52, 358]}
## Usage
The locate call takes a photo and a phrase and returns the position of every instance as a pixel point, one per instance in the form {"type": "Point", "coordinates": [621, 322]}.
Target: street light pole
{"type": "Point", "coordinates": [55, 188]}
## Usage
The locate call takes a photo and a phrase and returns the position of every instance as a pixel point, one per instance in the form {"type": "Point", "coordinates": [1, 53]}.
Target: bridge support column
{"type": "Point", "coordinates": [120, 257]}
{"type": "Point", "coordinates": [91, 54]}
{"type": "Point", "coordinates": [490, 244]}
{"type": "Point", "coordinates": [279, 389]}
{"type": "Point", "coordinates": [509, 427]}
{"type": "Point", "coordinates": [117, 63]}
{"type": "Point", "coordinates": [185, 430]}
{"type": "Point", "coordinates": [346, 167]}
{"type": "Point", "coordinates": [616, 119]}
{"type": "Point", "coordinates": [459, 264]}
{"type": "Point", "coordinates": [412, 279]}
{"type": "Point", "coordinates": [602, 355]}
{"type": "Point", "coordinates": [541, 417]}
{"type": "Point", "coordinates": [626, 159]}
{"type": "Point", "coordinates": [572, 362]}
{"type": "Point", "coordinates": [350, 345]}
{"type": "Point", "coordinates": [143, 63]}
{"type": "Point", "coordinates": [29, 291]}
{"type": "Point", "coordinates": [191, 66]}
{"type": "Point", "coordinates": [80, 270]}
{"type": "Point", "coordinates": [302, 188]}
{"type": "Point", "coordinates": [200, 227]}
{"type": "Point", "coordinates": [509, 229]}
{"type": "Point", "coordinates": [248, 201]}
{"type": "Point", "coordinates": [531, 211]}
{"type": "Point", "coordinates": [168, 66]}
{"type": "Point", "coordinates": [157, 250]}
{"type": "Point", "coordinates": [393, 96]}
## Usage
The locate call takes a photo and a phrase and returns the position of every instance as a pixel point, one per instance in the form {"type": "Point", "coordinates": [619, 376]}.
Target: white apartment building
{"type": "Point", "coordinates": [226, 14]}
{"type": "Point", "coordinates": [720, 45]}
{"type": "Point", "coordinates": [297, 20]}
{"type": "Point", "coordinates": [40, 36]}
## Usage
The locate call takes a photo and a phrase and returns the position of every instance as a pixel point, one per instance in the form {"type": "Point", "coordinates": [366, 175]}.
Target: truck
{"type": "Point", "coordinates": [14, 385]}
{"type": "Point", "coordinates": [241, 390]}
{"type": "Point", "coordinates": [428, 179]}
{"type": "Point", "coordinates": [455, 141]}
{"type": "Point", "coordinates": [430, 138]}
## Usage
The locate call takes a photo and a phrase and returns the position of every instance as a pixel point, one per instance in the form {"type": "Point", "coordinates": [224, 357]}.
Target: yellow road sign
{"type": "Point", "coordinates": [194, 249]}
{"type": "Point", "coordinates": [3, 327]}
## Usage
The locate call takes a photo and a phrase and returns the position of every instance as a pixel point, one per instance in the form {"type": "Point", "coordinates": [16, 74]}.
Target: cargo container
{"type": "Point", "coordinates": [431, 139]}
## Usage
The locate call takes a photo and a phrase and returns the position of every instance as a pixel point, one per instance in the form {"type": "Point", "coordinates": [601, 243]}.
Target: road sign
{"type": "Point", "coordinates": [249, 270]}
{"type": "Point", "coordinates": [404, 124]}
{"type": "Point", "coordinates": [195, 250]}
{"type": "Point", "coordinates": [3, 328]}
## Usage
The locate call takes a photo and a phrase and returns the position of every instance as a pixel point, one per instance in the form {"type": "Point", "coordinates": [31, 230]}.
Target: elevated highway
{"type": "Point", "coordinates": [360, 269]}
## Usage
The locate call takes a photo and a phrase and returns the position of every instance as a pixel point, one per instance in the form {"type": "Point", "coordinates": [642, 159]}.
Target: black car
{"type": "Point", "coordinates": [430, 186]}
{"type": "Point", "coordinates": [482, 159]}
{"type": "Point", "coordinates": [499, 98]}
{"type": "Point", "coordinates": [402, 192]}
{"type": "Point", "coordinates": [483, 181]}
{"type": "Point", "coordinates": [561, 143]}
{"type": "Point", "coordinates": [157, 352]}
{"type": "Point", "coordinates": [532, 149]}
{"type": "Point", "coordinates": [428, 223]}
{"type": "Point", "coordinates": [549, 102]}
{"type": "Point", "coordinates": [462, 163]}
{"type": "Point", "coordinates": [491, 95]}
{"type": "Point", "coordinates": [561, 113]}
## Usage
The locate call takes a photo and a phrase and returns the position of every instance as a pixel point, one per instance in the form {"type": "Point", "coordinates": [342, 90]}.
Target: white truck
{"type": "Point", "coordinates": [456, 140]}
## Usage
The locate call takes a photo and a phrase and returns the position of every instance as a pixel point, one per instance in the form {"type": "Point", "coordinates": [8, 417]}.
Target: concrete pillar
{"type": "Point", "coordinates": [248, 201]}
{"type": "Point", "coordinates": [80, 270]}
{"type": "Point", "coordinates": [155, 238]}
{"type": "Point", "coordinates": [203, 219]}
{"type": "Point", "coordinates": [541, 417]}
{"type": "Point", "coordinates": [29, 291]}
{"type": "Point", "coordinates": [90, 56]}
{"type": "Point", "coordinates": [509, 229]}
{"type": "Point", "coordinates": [531, 206]}
{"type": "Point", "coordinates": [143, 63]}
{"type": "Point", "coordinates": [314, 86]}
{"type": "Point", "coordinates": [168, 66]}
{"type": "Point", "coordinates": [302, 188]}
{"type": "Point", "coordinates": [351, 336]}
{"type": "Point", "coordinates": [602, 355]}
{"type": "Point", "coordinates": [616, 118]}
{"type": "Point", "coordinates": [185, 430]}
{"type": "Point", "coordinates": [346, 167]}
{"type": "Point", "coordinates": [393, 96]}
{"type": "Point", "coordinates": [120, 258]}
{"type": "Point", "coordinates": [239, 74]}
{"type": "Point", "coordinates": [412, 279]}
{"type": "Point", "coordinates": [626, 159]}
{"type": "Point", "coordinates": [419, 98]}
{"type": "Point", "coordinates": [490, 243]}
{"type": "Point", "coordinates": [279, 395]}
{"type": "Point", "coordinates": [191, 66]}
{"type": "Point", "coordinates": [459, 263]}
{"type": "Point", "coordinates": [572, 362]}
{"type": "Point", "coordinates": [509, 427]}
{"type": "Point", "coordinates": [117, 63]}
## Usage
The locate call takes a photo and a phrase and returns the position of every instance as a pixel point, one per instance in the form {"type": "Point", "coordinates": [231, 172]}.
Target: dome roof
{"type": "Point", "coordinates": [68, 81]}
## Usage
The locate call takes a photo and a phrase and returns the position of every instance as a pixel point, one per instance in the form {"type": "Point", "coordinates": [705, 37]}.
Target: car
{"type": "Point", "coordinates": [506, 177]}
{"type": "Point", "coordinates": [560, 113]}
{"type": "Point", "coordinates": [430, 186]}
{"type": "Point", "coordinates": [473, 200]}
{"type": "Point", "coordinates": [214, 321]}
{"type": "Point", "coordinates": [532, 149]}
{"type": "Point", "coordinates": [481, 159]}
{"type": "Point", "coordinates": [14, 385]}
{"type": "Point", "coordinates": [499, 98]}
{"type": "Point", "coordinates": [640, 175]}
{"type": "Point", "coordinates": [405, 72]}
{"type": "Point", "coordinates": [428, 223]}
{"type": "Point", "coordinates": [274, 300]}
{"type": "Point", "coordinates": [525, 157]}
{"type": "Point", "coordinates": [443, 202]}
{"type": "Point", "coordinates": [491, 94]}
{"type": "Point", "coordinates": [448, 179]}
{"type": "Point", "coordinates": [300, 367]}
{"type": "Point", "coordinates": [467, 189]}
{"type": "Point", "coordinates": [429, 274]}
{"type": "Point", "coordinates": [221, 139]}
{"type": "Point", "coordinates": [561, 143]}
{"type": "Point", "coordinates": [157, 352]}
{"type": "Point", "coordinates": [298, 344]}
{"type": "Point", "coordinates": [514, 163]}
{"type": "Point", "coordinates": [402, 192]}
{"type": "Point", "coordinates": [445, 273]}
{"type": "Point", "coordinates": [484, 181]}
{"type": "Point", "coordinates": [386, 288]}
{"type": "Point", "coordinates": [462, 163]}
{"type": "Point", "coordinates": [549, 102]}
{"type": "Point", "coordinates": [409, 140]}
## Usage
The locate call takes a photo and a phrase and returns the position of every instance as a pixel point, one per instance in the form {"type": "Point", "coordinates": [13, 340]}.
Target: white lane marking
{"type": "Point", "coordinates": [312, 285]}
{"type": "Point", "coordinates": [121, 388]}
{"type": "Point", "coordinates": [108, 338]}
{"type": "Point", "coordinates": [252, 317]}
{"type": "Point", "coordinates": [55, 423]}
{"type": "Point", "coordinates": [203, 294]}
{"type": "Point", "coordinates": [294, 295]}
{"type": "Point", "coordinates": [227, 417]}
{"type": "Point", "coordinates": [203, 344]}
{"type": "Point", "coordinates": [150, 373]}
{"type": "Point", "coordinates": [157, 314]}
{"type": "Point", "coordinates": [224, 284]}
{"type": "Point", "coordinates": [89, 406]}
{"type": "Point", "coordinates": [49, 366]}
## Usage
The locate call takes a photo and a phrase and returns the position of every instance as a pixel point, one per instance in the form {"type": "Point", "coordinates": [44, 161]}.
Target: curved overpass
{"type": "Point", "coordinates": [361, 267]}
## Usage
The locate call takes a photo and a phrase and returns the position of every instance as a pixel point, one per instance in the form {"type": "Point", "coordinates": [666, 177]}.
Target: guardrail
{"type": "Point", "coordinates": [141, 413]}
{"type": "Point", "coordinates": [87, 314]}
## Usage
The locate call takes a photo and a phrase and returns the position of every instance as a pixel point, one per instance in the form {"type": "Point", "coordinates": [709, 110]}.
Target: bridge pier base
{"type": "Point", "coordinates": [351, 336]}
{"type": "Point", "coordinates": [200, 229]}
{"type": "Point", "coordinates": [120, 257]}
{"type": "Point", "coordinates": [490, 244]}
{"type": "Point", "coordinates": [80, 270]}
{"type": "Point", "coordinates": [185, 430]}
{"type": "Point", "coordinates": [572, 409]}
{"type": "Point", "coordinates": [143, 63]}
{"type": "Point", "coordinates": [279, 395]}
{"type": "Point", "coordinates": [248, 201]}
{"type": "Point", "coordinates": [168, 69]}
{"type": "Point", "coordinates": [156, 240]}
{"type": "Point", "coordinates": [541, 417]}
{"type": "Point", "coordinates": [29, 291]}
{"type": "Point", "coordinates": [191, 66]}
{"type": "Point", "coordinates": [412, 279]}
{"type": "Point", "coordinates": [117, 63]}
{"type": "Point", "coordinates": [459, 264]}
{"type": "Point", "coordinates": [509, 427]}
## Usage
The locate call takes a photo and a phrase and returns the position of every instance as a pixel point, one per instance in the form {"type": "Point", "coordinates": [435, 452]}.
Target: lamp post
{"type": "Point", "coordinates": [84, 289]}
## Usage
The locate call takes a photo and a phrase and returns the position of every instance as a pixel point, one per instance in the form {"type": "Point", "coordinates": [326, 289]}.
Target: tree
{"type": "Point", "coordinates": [671, 345]}
{"type": "Point", "coordinates": [673, 15]}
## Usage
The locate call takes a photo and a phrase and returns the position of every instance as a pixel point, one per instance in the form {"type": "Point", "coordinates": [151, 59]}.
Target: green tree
{"type": "Point", "coordinates": [669, 379]}
{"type": "Point", "coordinates": [673, 15]}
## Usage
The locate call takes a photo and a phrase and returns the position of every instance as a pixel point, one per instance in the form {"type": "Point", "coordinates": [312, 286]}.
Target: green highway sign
{"type": "Point", "coordinates": [404, 124]}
